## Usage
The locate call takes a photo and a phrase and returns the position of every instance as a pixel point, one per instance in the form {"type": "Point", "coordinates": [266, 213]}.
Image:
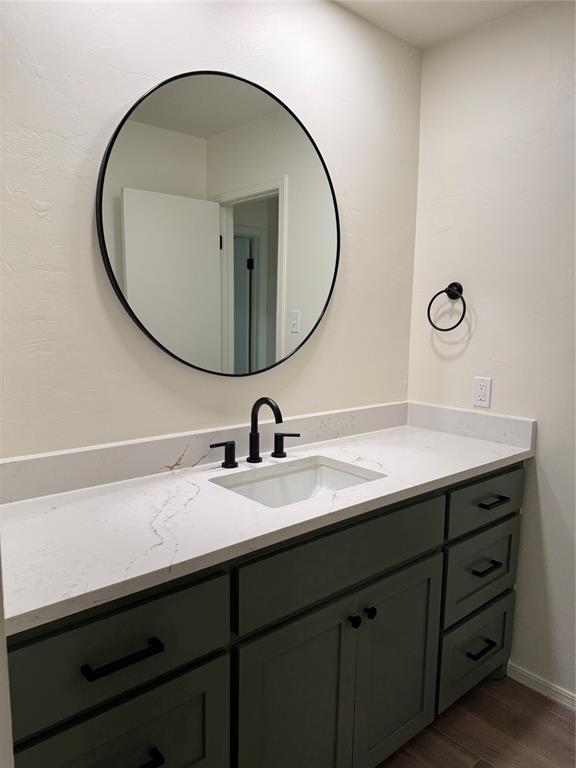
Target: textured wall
{"type": "Point", "coordinates": [76, 371]}
{"type": "Point", "coordinates": [496, 212]}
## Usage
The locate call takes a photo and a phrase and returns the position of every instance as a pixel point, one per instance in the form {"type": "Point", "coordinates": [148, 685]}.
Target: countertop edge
{"type": "Point", "coordinates": [79, 603]}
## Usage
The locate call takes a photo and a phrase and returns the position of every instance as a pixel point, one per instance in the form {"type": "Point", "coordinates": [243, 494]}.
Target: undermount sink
{"type": "Point", "coordinates": [296, 480]}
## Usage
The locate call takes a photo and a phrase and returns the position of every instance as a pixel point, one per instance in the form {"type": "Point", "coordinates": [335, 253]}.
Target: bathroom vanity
{"type": "Point", "coordinates": [330, 648]}
{"type": "Point", "coordinates": [314, 610]}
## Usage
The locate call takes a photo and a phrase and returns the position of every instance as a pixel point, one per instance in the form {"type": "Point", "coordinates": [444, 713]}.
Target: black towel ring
{"type": "Point", "coordinates": [454, 292]}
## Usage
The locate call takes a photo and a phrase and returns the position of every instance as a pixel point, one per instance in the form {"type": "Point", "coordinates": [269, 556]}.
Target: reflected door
{"type": "Point", "coordinates": [172, 271]}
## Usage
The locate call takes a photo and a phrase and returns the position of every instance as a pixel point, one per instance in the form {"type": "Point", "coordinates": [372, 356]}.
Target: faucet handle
{"type": "Point", "coordinates": [279, 452]}
{"type": "Point", "coordinates": [229, 453]}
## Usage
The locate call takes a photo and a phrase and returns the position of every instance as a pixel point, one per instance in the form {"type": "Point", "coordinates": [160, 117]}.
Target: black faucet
{"type": "Point", "coordinates": [255, 457]}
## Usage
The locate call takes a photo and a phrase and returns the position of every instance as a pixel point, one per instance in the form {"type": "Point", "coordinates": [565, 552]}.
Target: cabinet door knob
{"type": "Point", "coordinates": [371, 612]}
{"type": "Point", "coordinates": [355, 621]}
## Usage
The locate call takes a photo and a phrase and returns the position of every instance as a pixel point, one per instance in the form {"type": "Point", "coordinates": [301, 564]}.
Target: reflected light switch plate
{"type": "Point", "coordinates": [294, 316]}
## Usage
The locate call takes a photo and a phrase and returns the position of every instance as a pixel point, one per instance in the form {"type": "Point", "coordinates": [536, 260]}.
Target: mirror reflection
{"type": "Point", "coordinates": [218, 223]}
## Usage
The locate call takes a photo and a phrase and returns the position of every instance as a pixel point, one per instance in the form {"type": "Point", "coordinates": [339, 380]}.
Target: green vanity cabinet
{"type": "Point", "coordinates": [347, 684]}
{"type": "Point", "coordinates": [479, 575]}
{"type": "Point", "coordinates": [286, 582]}
{"type": "Point", "coordinates": [484, 502]}
{"type": "Point", "coordinates": [397, 660]}
{"type": "Point", "coordinates": [480, 568]}
{"type": "Point", "coordinates": [474, 648]}
{"type": "Point", "coordinates": [296, 692]}
{"type": "Point", "coordinates": [330, 650]}
{"type": "Point", "coordinates": [182, 723]}
{"type": "Point", "coordinates": [98, 660]}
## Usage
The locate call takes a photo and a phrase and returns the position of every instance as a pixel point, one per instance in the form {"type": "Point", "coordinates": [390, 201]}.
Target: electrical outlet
{"type": "Point", "coordinates": [482, 392]}
{"type": "Point", "coordinates": [295, 321]}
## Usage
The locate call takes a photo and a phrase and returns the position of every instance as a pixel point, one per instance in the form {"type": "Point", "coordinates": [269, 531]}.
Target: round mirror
{"type": "Point", "coordinates": [218, 223]}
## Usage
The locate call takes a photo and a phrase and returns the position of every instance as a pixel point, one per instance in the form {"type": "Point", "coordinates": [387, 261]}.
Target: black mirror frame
{"type": "Point", "coordinates": [102, 241]}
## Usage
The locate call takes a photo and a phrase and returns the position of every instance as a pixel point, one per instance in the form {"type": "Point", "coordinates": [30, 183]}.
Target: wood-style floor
{"type": "Point", "coordinates": [500, 724]}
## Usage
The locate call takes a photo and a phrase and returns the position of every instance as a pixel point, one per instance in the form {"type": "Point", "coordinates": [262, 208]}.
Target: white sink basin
{"type": "Point", "coordinates": [296, 480]}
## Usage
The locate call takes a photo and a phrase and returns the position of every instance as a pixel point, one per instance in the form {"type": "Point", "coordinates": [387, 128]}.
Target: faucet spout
{"type": "Point", "coordinates": [275, 408]}
{"type": "Point", "coordinates": [254, 457]}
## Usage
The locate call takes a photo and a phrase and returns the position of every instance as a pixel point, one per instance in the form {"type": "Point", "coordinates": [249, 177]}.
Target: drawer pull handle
{"type": "Point", "coordinates": [156, 759]}
{"type": "Point", "coordinates": [371, 612]}
{"type": "Point", "coordinates": [154, 646]}
{"type": "Point", "coordinates": [490, 645]}
{"type": "Point", "coordinates": [356, 621]}
{"type": "Point", "coordinates": [494, 566]}
{"type": "Point", "coordinates": [498, 501]}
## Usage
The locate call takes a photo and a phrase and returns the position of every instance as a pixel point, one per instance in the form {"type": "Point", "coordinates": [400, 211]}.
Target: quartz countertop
{"type": "Point", "coordinates": [71, 551]}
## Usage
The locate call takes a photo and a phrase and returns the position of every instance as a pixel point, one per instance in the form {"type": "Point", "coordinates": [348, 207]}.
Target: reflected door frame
{"type": "Point", "coordinates": [227, 202]}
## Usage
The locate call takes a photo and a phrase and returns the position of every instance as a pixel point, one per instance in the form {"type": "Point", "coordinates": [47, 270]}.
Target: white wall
{"type": "Point", "coordinates": [271, 147]}
{"type": "Point", "coordinates": [496, 212]}
{"type": "Point", "coordinates": [76, 370]}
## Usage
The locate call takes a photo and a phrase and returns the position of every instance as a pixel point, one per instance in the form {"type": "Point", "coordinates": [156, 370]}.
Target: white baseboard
{"type": "Point", "coordinates": [550, 690]}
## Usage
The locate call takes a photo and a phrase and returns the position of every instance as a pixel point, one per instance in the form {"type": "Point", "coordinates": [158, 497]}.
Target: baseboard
{"type": "Point", "coordinates": [550, 690]}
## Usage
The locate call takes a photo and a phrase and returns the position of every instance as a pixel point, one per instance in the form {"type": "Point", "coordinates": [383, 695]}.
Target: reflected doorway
{"type": "Point", "coordinates": [255, 282]}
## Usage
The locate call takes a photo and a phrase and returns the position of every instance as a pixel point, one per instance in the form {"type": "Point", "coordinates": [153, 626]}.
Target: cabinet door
{"type": "Point", "coordinates": [296, 691]}
{"type": "Point", "coordinates": [397, 660]}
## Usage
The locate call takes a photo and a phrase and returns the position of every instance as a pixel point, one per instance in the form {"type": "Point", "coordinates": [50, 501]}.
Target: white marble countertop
{"type": "Point", "coordinates": [70, 551]}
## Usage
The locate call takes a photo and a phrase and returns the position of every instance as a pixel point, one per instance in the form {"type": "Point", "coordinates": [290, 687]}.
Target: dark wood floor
{"type": "Point", "coordinates": [500, 724]}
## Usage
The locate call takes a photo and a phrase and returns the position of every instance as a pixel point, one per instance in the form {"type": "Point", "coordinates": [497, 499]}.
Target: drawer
{"type": "Point", "coordinates": [284, 583]}
{"type": "Point", "coordinates": [58, 676]}
{"type": "Point", "coordinates": [474, 649]}
{"type": "Point", "coordinates": [179, 724]}
{"type": "Point", "coordinates": [479, 569]}
{"type": "Point", "coordinates": [484, 502]}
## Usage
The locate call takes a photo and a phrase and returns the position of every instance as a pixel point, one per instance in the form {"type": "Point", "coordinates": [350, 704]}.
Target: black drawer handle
{"type": "Point", "coordinates": [154, 646]}
{"type": "Point", "coordinates": [371, 612]}
{"type": "Point", "coordinates": [490, 645]}
{"type": "Point", "coordinates": [494, 566]}
{"type": "Point", "coordinates": [498, 501]}
{"type": "Point", "coordinates": [356, 621]}
{"type": "Point", "coordinates": [156, 759]}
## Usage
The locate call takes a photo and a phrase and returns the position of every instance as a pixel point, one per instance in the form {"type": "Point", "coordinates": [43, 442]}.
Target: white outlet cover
{"type": "Point", "coordinates": [482, 393]}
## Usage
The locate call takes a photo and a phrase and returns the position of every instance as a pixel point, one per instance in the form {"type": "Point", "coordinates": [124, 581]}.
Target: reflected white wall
{"type": "Point", "coordinates": [152, 159]}
{"type": "Point", "coordinates": [266, 149]}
